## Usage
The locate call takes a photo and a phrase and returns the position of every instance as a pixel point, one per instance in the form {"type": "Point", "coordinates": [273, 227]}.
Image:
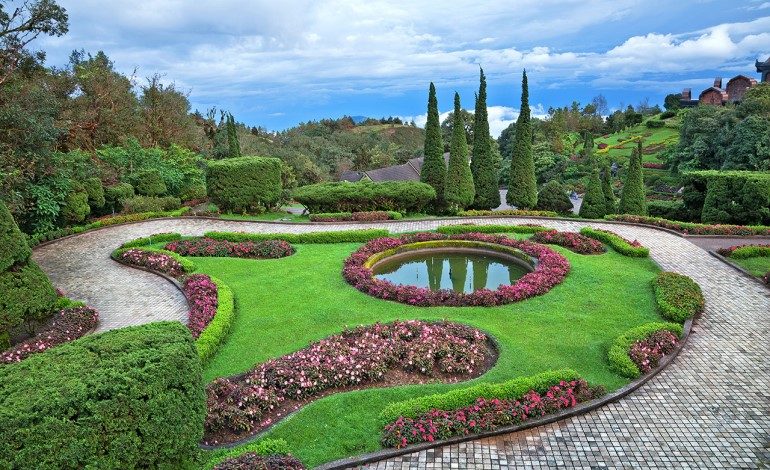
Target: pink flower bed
{"type": "Point", "coordinates": [551, 269]}
{"type": "Point", "coordinates": [356, 357]}
{"type": "Point", "coordinates": [152, 260]}
{"type": "Point", "coordinates": [654, 165]}
{"type": "Point", "coordinates": [68, 324]}
{"type": "Point", "coordinates": [486, 414]}
{"type": "Point", "coordinates": [690, 228]}
{"type": "Point", "coordinates": [647, 353]}
{"type": "Point", "coordinates": [570, 240]}
{"type": "Point", "coordinates": [254, 461]}
{"type": "Point", "coordinates": [201, 292]}
{"type": "Point", "coordinates": [248, 249]}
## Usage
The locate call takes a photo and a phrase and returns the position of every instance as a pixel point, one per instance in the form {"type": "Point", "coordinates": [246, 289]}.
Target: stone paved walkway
{"type": "Point", "coordinates": [709, 409]}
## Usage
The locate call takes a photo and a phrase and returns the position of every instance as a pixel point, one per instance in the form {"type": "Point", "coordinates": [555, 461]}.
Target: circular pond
{"type": "Point", "coordinates": [456, 269]}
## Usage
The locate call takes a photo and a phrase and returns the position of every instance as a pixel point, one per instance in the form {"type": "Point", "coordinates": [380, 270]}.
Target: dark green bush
{"type": "Point", "coordinates": [138, 204]}
{"type": "Point", "coordinates": [620, 362]}
{"type": "Point", "coordinates": [594, 204]}
{"type": "Point", "coordinates": [342, 236]}
{"type": "Point", "coordinates": [245, 183]}
{"type": "Point", "coordinates": [672, 210]}
{"type": "Point", "coordinates": [678, 296]}
{"type": "Point", "coordinates": [95, 190]}
{"type": "Point", "coordinates": [654, 124]}
{"type": "Point", "coordinates": [150, 183]}
{"type": "Point", "coordinates": [733, 197]}
{"type": "Point", "coordinates": [632, 197]}
{"type": "Point", "coordinates": [128, 398]}
{"type": "Point", "coordinates": [553, 197]}
{"type": "Point", "coordinates": [116, 193]}
{"type": "Point", "coordinates": [399, 196]}
{"type": "Point", "coordinates": [25, 294]}
{"type": "Point", "coordinates": [157, 238]}
{"type": "Point", "coordinates": [13, 247]}
{"type": "Point", "coordinates": [193, 191]}
{"type": "Point", "coordinates": [667, 114]}
{"type": "Point", "coordinates": [617, 242]}
{"type": "Point", "coordinates": [75, 208]}
{"type": "Point", "coordinates": [750, 251]}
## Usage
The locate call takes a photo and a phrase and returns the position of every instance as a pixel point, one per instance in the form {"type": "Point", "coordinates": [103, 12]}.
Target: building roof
{"type": "Point", "coordinates": [409, 171]}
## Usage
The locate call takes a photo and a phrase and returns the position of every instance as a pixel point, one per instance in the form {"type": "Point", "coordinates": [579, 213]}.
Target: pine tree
{"type": "Point", "coordinates": [588, 148]}
{"type": "Point", "coordinates": [632, 197]}
{"type": "Point", "coordinates": [594, 205]}
{"type": "Point", "coordinates": [433, 167]}
{"type": "Point", "coordinates": [232, 137]}
{"type": "Point", "coordinates": [458, 189]}
{"type": "Point", "coordinates": [522, 184]}
{"type": "Point", "coordinates": [609, 195]}
{"type": "Point", "coordinates": [485, 178]}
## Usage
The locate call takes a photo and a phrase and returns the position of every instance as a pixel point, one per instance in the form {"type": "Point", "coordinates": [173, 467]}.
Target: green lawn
{"type": "Point", "coordinates": [655, 140]}
{"type": "Point", "coordinates": [284, 304]}
{"type": "Point", "coordinates": [757, 266]}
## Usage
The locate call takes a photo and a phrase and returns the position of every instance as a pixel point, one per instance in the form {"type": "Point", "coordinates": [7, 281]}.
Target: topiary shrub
{"type": "Point", "coordinates": [116, 193]}
{"type": "Point", "coordinates": [138, 204]}
{"type": "Point", "coordinates": [128, 398]}
{"type": "Point", "coordinates": [193, 191]}
{"type": "Point", "coordinates": [343, 196]}
{"type": "Point", "coordinates": [632, 196]}
{"type": "Point", "coordinates": [13, 247]}
{"type": "Point", "coordinates": [735, 197]}
{"type": "Point", "coordinates": [594, 205]}
{"type": "Point", "coordinates": [150, 183]}
{"type": "Point", "coordinates": [678, 296]}
{"type": "Point", "coordinates": [245, 183]}
{"type": "Point", "coordinates": [672, 210]}
{"type": "Point", "coordinates": [95, 190]}
{"type": "Point", "coordinates": [553, 197]}
{"type": "Point", "coordinates": [75, 208]}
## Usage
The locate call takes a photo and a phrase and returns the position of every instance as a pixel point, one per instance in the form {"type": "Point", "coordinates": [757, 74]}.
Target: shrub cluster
{"type": "Point", "coordinates": [254, 461]}
{"type": "Point", "coordinates": [553, 197]}
{"type": "Point", "coordinates": [355, 357]}
{"type": "Point", "coordinates": [729, 197]}
{"type": "Point", "coordinates": [139, 204]}
{"type": "Point", "coordinates": [128, 398]}
{"type": "Point", "coordinates": [162, 261]}
{"type": "Point", "coordinates": [678, 296]}
{"type": "Point", "coordinates": [201, 292]}
{"type": "Point", "coordinates": [745, 251]}
{"type": "Point", "coordinates": [647, 353]}
{"type": "Point", "coordinates": [216, 331]}
{"type": "Point", "coordinates": [689, 228]}
{"type": "Point", "coordinates": [507, 212]}
{"type": "Point", "coordinates": [486, 414]}
{"type": "Point", "coordinates": [551, 269]}
{"type": "Point", "coordinates": [672, 210]}
{"type": "Point", "coordinates": [157, 238]}
{"type": "Point", "coordinates": [399, 196]}
{"type": "Point", "coordinates": [367, 216]}
{"type": "Point", "coordinates": [342, 236]}
{"type": "Point", "coordinates": [473, 228]}
{"type": "Point", "coordinates": [623, 246]}
{"type": "Point", "coordinates": [570, 240]}
{"type": "Point", "coordinates": [67, 324]}
{"type": "Point", "coordinates": [619, 354]}
{"type": "Point", "coordinates": [244, 184]}
{"type": "Point", "coordinates": [267, 249]}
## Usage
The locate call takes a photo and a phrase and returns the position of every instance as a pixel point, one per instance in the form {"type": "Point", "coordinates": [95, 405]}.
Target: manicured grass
{"type": "Point", "coordinates": [284, 304]}
{"type": "Point", "coordinates": [757, 266]}
{"type": "Point", "coordinates": [657, 139]}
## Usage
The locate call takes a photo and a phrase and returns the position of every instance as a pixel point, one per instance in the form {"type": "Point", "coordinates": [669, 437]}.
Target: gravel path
{"type": "Point", "coordinates": [709, 409]}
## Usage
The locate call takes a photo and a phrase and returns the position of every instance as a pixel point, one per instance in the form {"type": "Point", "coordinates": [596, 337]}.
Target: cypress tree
{"type": "Point", "coordinates": [232, 138]}
{"type": "Point", "coordinates": [522, 184]}
{"type": "Point", "coordinates": [609, 195]}
{"type": "Point", "coordinates": [485, 178]}
{"type": "Point", "coordinates": [594, 206]}
{"type": "Point", "coordinates": [588, 147]}
{"type": "Point", "coordinates": [433, 167]}
{"type": "Point", "coordinates": [632, 196]}
{"type": "Point", "coordinates": [458, 189]}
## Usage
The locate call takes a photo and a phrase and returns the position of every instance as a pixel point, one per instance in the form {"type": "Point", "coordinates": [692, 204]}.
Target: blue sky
{"type": "Point", "coordinates": [275, 64]}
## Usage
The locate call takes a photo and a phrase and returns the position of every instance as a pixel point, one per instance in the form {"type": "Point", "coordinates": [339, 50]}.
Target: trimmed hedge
{"type": "Point", "coordinates": [13, 247]}
{"type": "Point", "coordinates": [678, 296]}
{"type": "Point", "coordinates": [116, 193]}
{"type": "Point", "coordinates": [746, 251]}
{"type": "Point", "coordinates": [212, 337]}
{"type": "Point", "coordinates": [731, 196]}
{"type": "Point", "coordinates": [138, 204]}
{"type": "Point", "coordinates": [553, 197]}
{"type": "Point", "coordinates": [244, 183]}
{"type": "Point", "coordinates": [672, 210]}
{"type": "Point", "coordinates": [469, 228]}
{"type": "Point", "coordinates": [356, 216]}
{"type": "Point", "coordinates": [620, 361]}
{"type": "Point", "coordinates": [343, 196]}
{"type": "Point", "coordinates": [507, 212]}
{"type": "Point", "coordinates": [466, 396]}
{"type": "Point", "coordinates": [157, 238]}
{"type": "Point", "coordinates": [128, 398]}
{"type": "Point", "coordinates": [618, 243]}
{"type": "Point", "coordinates": [342, 236]}
{"type": "Point", "coordinates": [95, 190]}
{"type": "Point", "coordinates": [150, 183]}
{"type": "Point", "coordinates": [689, 228]}
{"type": "Point", "coordinates": [26, 293]}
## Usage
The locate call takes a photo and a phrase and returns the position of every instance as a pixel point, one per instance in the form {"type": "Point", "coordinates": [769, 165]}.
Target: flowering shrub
{"type": "Point", "coordinates": [245, 249]}
{"type": "Point", "coordinates": [154, 260]}
{"type": "Point", "coordinates": [485, 415]}
{"type": "Point", "coordinates": [254, 461]}
{"type": "Point", "coordinates": [689, 228]}
{"type": "Point", "coordinates": [201, 292]}
{"type": "Point", "coordinates": [551, 269]}
{"type": "Point", "coordinates": [570, 240]}
{"type": "Point", "coordinates": [68, 324]}
{"type": "Point", "coordinates": [647, 352]}
{"type": "Point", "coordinates": [678, 296]}
{"type": "Point", "coordinates": [621, 245]}
{"type": "Point", "coordinates": [355, 357]}
{"type": "Point", "coordinates": [654, 165]}
{"type": "Point", "coordinates": [745, 251]}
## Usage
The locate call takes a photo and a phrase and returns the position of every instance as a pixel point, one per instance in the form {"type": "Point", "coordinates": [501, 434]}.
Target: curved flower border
{"type": "Point", "coordinates": [551, 270]}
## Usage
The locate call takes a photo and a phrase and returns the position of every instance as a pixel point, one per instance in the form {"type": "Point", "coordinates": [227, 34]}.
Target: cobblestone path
{"type": "Point", "coordinates": [709, 409]}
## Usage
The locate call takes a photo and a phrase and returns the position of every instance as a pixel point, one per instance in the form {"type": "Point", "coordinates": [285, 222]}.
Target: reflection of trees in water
{"type": "Point", "coordinates": [480, 273]}
{"type": "Point", "coordinates": [458, 272]}
{"type": "Point", "coordinates": [435, 272]}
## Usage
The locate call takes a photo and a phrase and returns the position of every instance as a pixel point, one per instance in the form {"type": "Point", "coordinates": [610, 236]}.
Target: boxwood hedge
{"type": "Point", "coordinates": [617, 242]}
{"type": "Point", "coordinates": [343, 196]}
{"type": "Point", "coordinates": [128, 398]}
{"type": "Point", "coordinates": [618, 356]}
{"type": "Point", "coordinates": [244, 184]}
{"type": "Point", "coordinates": [678, 296]}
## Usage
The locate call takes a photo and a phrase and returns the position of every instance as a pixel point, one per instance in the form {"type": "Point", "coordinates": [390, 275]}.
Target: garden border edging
{"type": "Point", "coordinates": [738, 268]}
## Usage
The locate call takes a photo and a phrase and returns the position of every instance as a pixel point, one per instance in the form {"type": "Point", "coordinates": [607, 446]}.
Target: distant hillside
{"type": "Point", "coordinates": [654, 140]}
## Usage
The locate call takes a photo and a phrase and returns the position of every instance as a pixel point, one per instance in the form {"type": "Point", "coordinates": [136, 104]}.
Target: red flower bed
{"type": "Point", "coordinates": [654, 165]}
{"type": "Point", "coordinates": [370, 216]}
{"type": "Point", "coordinates": [248, 249]}
{"type": "Point", "coordinates": [68, 324]}
{"type": "Point", "coordinates": [201, 292]}
{"type": "Point", "coordinates": [748, 250]}
{"type": "Point", "coordinates": [551, 269]}
{"type": "Point", "coordinates": [355, 357]}
{"type": "Point", "coordinates": [647, 353]}
{"type": "Point", "coordinates": [152, 260]}
{"type": "Point", "coordinates": [570, 240]}
{"type": "Point", "coordinates": [254, 461]}
{"type": "Point", "coordinates": [635, 243]}
{"type": "Point", "coordinates": [486, 415]}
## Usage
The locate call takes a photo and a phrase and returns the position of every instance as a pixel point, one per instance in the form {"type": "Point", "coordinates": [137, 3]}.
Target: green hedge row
{"type": "Point", "coordinates": [343, 196]}
{"type": "Point", "coordinates": [678, 296]}
{"type": "Point", "coordinates": [617, 242]}
{"type": "Point", "coordinates": [139, 204]}
{"type": "Point", "coordinates": [466, 396]}
{"type": "Point", "coordinates": [157, 238]}
{"type": "Point", "coordinates": [507, 212]}
{"type": "Point", "coordinates": [367, 216]}
{"type": "Point", "coordinates": [620, 362]}
{"type": "Point", "coordinates": [470, 228]}
{"type": "Point", "coordinates": [729, 197]}
{"type": "Point", "coordinates": [267, 446]}
{"type": "Point", "coordinates": [342, 236]}
{"type": "Point", "coordinates": [128, 398]}
{"type": "Point", "coordinates": [691, 228]}
{"type": "Point", "coordinates": [750, 251]}
{"type": "Point", "coordinates": [241, 184]}
{"type": "Point", "coordinates": [212, 337]}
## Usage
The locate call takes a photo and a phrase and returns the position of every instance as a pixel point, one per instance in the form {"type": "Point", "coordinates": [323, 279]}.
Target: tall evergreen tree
{"type": "Point", "coordinates": [594, 206]}
{"type": "Point", "coordinates": [485, 178]}
{"type": "Point", "coordinates": [433, 167]}
{"type": "Point", "coordinates": [609, 195]}
{"type": "Point", "coordinates": [522, 184]}
{"type": "Point", "coordinates": [232, 137]}
{"type": "Point", "coordinates": [458, 189]}
{"type": "Point", "coordinates": [588, 147]}
{"type": "Point", "coordinates": [632, 197]}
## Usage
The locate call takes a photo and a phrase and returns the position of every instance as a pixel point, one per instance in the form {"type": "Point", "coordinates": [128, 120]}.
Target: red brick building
{"type": "Point", "coordinates": [733, 93]}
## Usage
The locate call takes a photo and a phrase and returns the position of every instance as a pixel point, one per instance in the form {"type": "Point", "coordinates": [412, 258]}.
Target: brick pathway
{"type": "Point", "coordinates": [709, 409]}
